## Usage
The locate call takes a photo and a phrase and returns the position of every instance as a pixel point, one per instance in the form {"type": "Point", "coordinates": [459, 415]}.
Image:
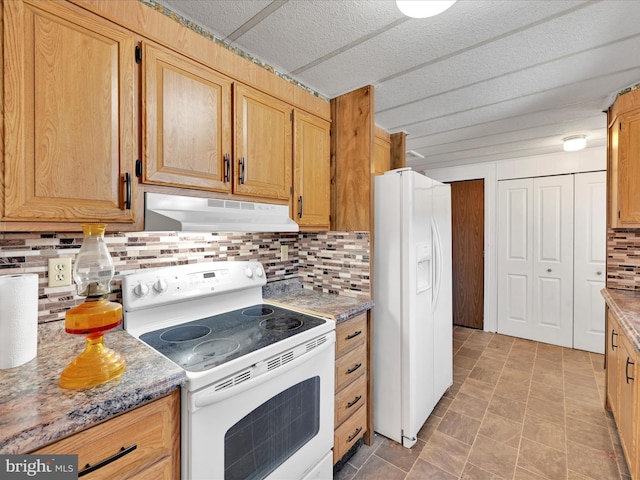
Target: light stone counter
{"type": "Point", "coordinates": [35, 410]}
{"type": "Point", "coordinates": [625, 306]}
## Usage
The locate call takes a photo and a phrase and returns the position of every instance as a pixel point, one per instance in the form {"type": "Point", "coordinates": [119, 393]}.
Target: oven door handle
{"type": "Point", "coordinates": [209, 396]}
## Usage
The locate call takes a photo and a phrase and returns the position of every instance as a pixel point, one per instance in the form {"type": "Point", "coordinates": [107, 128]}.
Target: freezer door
{"type": "Point", "coordinates": [417, 321]}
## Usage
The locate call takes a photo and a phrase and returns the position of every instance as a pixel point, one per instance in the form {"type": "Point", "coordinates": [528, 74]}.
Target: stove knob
{"type": "Point", "coordinates": [259, 272]}
{"type": "Point", "coordinates": [248, 272]}
{"type": "Point", "coordinates": [140, 290]}
{"type": "Point", "coordinates": [160, 286]}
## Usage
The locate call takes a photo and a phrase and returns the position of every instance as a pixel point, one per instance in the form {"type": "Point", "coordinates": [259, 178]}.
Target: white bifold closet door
{"type": "Point", "coordinates": [548, 263]}
{"type": "Point", "coordinates": [535, 259]}
{"type": "Point", "coordinates": [590, 252]}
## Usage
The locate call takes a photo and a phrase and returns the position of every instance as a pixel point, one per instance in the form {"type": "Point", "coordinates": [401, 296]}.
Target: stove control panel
{"type": "Point", "coordinates": [168, 285]}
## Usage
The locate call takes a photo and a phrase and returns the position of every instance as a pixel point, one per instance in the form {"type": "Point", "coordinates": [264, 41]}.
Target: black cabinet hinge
{"type": "Point", "coordinates": [138, 54]}
{"type": "Point", "coordinates": [138, 168]}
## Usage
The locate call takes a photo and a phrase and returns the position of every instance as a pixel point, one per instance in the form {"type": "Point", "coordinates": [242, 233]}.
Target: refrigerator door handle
{"type": "Point", "coordinates": [437, 264]}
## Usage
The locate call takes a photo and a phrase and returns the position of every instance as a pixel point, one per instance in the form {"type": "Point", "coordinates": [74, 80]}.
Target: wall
{"type": "Point", "coordinates": [335, 262]}
{"type": "Point", "coordinates": [590, 159]}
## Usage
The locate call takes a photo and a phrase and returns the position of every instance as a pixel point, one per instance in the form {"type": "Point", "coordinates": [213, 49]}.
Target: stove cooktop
{"type": "Point", "coordinates": [203, 344]}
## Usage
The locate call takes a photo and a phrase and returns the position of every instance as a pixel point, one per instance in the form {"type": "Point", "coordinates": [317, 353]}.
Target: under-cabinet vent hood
{"type": "Point", "coordinates": [164, 212]}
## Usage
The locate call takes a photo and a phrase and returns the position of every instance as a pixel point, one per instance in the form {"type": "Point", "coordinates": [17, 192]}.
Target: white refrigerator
{"type": "Point", "coordinates": [412, 315]}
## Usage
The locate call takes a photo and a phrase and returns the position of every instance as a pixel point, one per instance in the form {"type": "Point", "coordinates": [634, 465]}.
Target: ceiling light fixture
{"type": "Point", "coordinates": [574, 143]}
{"type": "Point", "coordinates": [423, 8]}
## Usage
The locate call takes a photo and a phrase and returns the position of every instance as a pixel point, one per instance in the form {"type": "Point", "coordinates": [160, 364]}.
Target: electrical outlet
{"type": "Point", "coordinates": [59, 272]}
{"type": "Point", "coordinates": [284, 252]}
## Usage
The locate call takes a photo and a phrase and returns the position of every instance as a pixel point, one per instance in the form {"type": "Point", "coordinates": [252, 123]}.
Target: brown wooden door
{"type": "Point", "coordinates": [467, 232]}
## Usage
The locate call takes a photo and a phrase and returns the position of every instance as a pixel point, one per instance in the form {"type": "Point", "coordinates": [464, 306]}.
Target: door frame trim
{"type": "Point", "coordinates": [486, 172]}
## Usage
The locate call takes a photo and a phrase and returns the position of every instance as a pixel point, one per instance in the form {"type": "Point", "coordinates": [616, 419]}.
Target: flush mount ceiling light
{"type": "Point", "coordinates": [574, 143]}
{"type": "Point", "coordinates": [423, 8]}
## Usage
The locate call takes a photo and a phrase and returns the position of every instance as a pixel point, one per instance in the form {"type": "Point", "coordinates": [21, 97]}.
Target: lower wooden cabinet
{"type": "Point", "coordinates": [141, 444]}
{"type": "Point", "coordinates": [351, 399]}
{"type": "Point", "coordinates": [622, 391]}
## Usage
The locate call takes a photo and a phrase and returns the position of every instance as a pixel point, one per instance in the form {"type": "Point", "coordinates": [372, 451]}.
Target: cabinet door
{"type": "Point", "coordinates": [187, 123]}
{"type": "Point", "coordinates": [263, 146]}
{"type": "Point", "coordinates": [629, 170]}
{"type": "Point", "coordinates": [69, 115]}
{"type": "Point", "coordinates": [311, 195]}
{"type": "Point", "coordinates": [626, 420]}
{"type": "Point", "coordinates": [143, 443]}
{"type": "Point", "coordinates": [612, 352]}
{"type": "Point", "coordinates": [381, 154]}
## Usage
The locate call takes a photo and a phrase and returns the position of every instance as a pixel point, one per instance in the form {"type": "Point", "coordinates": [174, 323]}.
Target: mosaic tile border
{"type": "Point", "coordinates": [623, 259]}
{"type": "Point", "coordinates": [335, 262]}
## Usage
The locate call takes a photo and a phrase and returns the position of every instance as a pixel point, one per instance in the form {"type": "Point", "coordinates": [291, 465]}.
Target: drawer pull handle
{"type": "Point", "coordinates": [91, 468]}
{"type": "Point", "coordinates": [355, 434]}
{"type": "Point", "coordinates": [356, 367]}
{"type": "Point", "coordinates": [626, 370]}
{"type": "Point", "coordinates": [613, 345]}
{"type": "Point", "coordinates": [354, 401]}
{"type": "Point", "coordinates": [353, 335]}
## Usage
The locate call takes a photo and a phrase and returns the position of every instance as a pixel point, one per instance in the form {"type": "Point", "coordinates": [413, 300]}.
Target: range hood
{"type": "Point", "coordinates": [164, 212]}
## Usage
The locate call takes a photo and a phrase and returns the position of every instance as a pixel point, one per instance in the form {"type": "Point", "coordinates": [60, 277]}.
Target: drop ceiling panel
{"type": "Point", "coordinates": [301, 32]}
{"type": "Point", "coordinates": [485, 80]}
{"type": "Point", "coordinates": [220, 17]}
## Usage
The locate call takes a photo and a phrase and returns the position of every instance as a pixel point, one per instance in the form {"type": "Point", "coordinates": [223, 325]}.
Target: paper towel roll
{"type": "Point", "coordinates": [18, 319]}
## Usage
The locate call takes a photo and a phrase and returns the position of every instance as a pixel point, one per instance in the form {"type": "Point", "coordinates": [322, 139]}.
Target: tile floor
{"type": "Point", "coordinates": [517, 410]}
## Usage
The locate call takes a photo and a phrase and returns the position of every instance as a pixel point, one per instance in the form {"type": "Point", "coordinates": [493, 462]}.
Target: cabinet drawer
{"type": "Point", "coordinates": [351, 333]}
{"type": "Point", "coordinates": [350, 399]}
{"type": "Point", "coordinates": [350, 366]}
{"type": "Point", "coordinates": [154, 429]}
{"type": "Point", "coordinates": [349, 432]}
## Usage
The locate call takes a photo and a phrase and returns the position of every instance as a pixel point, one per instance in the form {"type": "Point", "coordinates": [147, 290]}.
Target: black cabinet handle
{"type": "Point", "coordinates": [227, 168]}
{"type": "Point", "coordinates": [354, 401]}
{"type": "Point", "coordinates": [353, 335]}
{"type": "Point", "coordinates": [127, 184]}
{"type": "Point", "coordinates": [613, 346]}
{"type": "Point", "coordinates": [626, 370]}
{"type": "Point", "coordinates": [356, 367]}
{"type": "Point", "coordinates": [355, 434]}
{"type": "Point", "coordinates": [91, 468]}
{"type": "Point", "coordinates": [300, 206]}
{"type": "Point", "coordinates": [241, 170]}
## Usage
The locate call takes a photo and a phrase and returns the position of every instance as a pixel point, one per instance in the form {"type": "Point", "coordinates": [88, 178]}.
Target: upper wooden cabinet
{"type": "Point", "coordinates": [263, 148]}
{"type": "Point", "coordinates": [68, 117]}
{"type": "Point", "coordinates": [187, 123]}
{"type": "Point", "coordinates": [624, 161]}
{"type": "Point", "coordinates": [381, 152]}
{"type": "Point", "coordinates": [352, 160]}
{"type": "Point", "coordinates": [311, 159]}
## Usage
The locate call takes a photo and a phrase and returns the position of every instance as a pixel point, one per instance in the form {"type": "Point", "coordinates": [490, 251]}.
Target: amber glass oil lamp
{"type": "Point", "coordinates": [93, 271]}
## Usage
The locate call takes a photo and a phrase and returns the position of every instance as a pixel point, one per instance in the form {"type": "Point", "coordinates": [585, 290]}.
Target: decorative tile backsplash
{"type": "Point", "coordinates": [336, 262]}
{"type": "Point", "coordinates": [623, 259]}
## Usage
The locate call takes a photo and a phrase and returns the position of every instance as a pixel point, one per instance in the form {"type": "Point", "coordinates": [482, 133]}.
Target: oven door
{"type": "Point", "coordinates": [278, 425]}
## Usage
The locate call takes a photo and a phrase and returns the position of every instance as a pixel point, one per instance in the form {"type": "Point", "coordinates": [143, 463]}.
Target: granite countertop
{"type": "Point", "coordinates": [328, 305]}
{"type": "Point", "coordinates": [35, 410]}
{"type": "Point", "coordinates": [625, 306]}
